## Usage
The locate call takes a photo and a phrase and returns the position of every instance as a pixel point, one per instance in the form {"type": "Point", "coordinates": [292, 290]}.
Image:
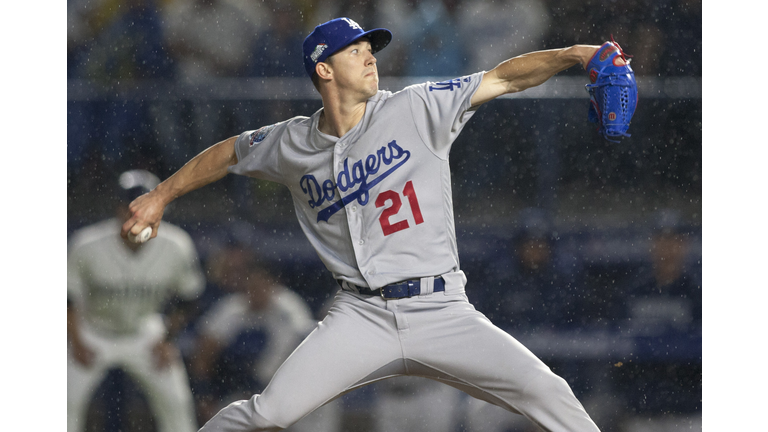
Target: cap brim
{"type": "Point", "coordinates": [379, 38]}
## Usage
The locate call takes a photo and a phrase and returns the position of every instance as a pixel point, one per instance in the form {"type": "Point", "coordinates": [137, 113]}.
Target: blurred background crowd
{"type": "Point", "coordinates": [197, 39]}
{"type": "Point", "coordinates": [588, 252]}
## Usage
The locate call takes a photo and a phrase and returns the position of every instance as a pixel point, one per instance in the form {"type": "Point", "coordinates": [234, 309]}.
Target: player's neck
{"type": "Point", "coordinates": [339, 117]}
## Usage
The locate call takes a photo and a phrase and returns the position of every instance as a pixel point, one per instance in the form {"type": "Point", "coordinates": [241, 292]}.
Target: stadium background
{"type": "Point", "coordinates": [131, 103]}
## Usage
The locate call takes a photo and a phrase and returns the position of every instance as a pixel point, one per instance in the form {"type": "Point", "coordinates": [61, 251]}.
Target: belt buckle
{"type": "Point", "coordinates": [408, 283]}
{"type": "Point", "coordinates": [381, 292]}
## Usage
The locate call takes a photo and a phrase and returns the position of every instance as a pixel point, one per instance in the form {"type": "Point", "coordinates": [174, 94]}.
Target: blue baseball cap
{"type": "Point", "coordinates": [330, 37]}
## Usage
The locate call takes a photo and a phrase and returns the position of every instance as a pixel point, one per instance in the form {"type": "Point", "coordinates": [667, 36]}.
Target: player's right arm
{"type": "Point", "coordinates": [205, 168]}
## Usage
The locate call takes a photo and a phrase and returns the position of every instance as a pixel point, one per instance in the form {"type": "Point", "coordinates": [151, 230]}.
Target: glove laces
{"type": "Point", "coordinates": [626, 57]}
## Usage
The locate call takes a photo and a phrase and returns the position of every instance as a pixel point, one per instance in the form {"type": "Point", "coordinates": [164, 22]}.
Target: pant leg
{"type": "Point", "coordinates": [484, 417]}
{"type": "Point", "coordinates": [327, 418]}
{"type": "Point", "coordinates": [81, 383]}
{"type": "Point", "coordinates": [416, 403]}
{"type": "Point", "coordinates": [167, 390]}
{"type": "Point", "coordinates": [448, 339]}
{"type": "Point", "coordinates": [355, 344]}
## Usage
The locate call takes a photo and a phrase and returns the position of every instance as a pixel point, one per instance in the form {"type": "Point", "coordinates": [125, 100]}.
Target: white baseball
{"type": "Point", "coordinates": [143, 236]}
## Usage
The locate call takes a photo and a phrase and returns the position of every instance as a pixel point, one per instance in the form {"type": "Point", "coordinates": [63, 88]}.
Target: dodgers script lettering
{"type": "Point", "coordinates": [357, 175]}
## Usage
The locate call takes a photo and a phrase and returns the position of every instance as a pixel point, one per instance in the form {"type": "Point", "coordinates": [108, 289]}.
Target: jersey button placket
{"type": "Point", "coordinates": [355, 224]}
{"type": "Point", "coordinates": [352, 211]}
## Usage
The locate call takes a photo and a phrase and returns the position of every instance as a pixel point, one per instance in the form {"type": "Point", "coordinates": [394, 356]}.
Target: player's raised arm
{"type": "Point", "coordinates": [205, 168]}
{"type": "Point", "coordinates": [529, 70]}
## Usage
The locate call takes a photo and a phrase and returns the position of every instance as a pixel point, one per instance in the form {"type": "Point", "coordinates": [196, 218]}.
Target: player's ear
{"type": "Point", "coordinates": [324, 70]}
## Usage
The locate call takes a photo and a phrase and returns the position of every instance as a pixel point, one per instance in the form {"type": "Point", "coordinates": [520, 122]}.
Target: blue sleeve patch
{"type": "Point", "coordinates": [449, 84]}
{"type": "Point", "coordinates": [258, 136]}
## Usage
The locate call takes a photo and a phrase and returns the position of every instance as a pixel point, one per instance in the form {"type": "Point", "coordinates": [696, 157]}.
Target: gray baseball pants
{"type": "Point", "coordinates": [439, 336]}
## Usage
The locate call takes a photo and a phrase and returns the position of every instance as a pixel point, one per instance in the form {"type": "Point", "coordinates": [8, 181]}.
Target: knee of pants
{"type": "Point", "coordinates": [546, 385]}
{"type": "Point", "coordinates": [240, 416]}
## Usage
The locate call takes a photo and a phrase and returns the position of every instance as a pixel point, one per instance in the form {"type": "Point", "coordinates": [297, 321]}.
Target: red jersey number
{"type": "Point", "coordinates": [386, 225]}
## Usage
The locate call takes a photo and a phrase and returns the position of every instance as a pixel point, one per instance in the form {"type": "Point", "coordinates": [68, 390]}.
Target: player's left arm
{"type": "Point", "coordinates": [529, 70]}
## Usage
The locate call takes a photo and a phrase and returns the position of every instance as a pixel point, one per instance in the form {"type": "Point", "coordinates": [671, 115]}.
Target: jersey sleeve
{"type": "Point", "coordinates": [258, 152]}
{"type": "Point", "coordinates": [440, 110]}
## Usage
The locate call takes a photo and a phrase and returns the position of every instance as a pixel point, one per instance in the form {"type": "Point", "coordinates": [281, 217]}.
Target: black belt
{"type": "Point", "coordinates": [397, 290]}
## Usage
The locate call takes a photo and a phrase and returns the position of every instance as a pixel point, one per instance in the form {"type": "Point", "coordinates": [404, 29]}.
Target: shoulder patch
{"type": "Point", "coordinates": [449, 84]}
{"type": "Point", "coordinates": [258, 136]}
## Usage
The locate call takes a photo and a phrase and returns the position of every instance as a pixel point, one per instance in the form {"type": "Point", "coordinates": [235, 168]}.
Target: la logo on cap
{"type": "Point", "coordinates": [352, 23]}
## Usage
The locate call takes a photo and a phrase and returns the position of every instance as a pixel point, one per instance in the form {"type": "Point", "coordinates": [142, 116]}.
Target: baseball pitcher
{"type": "Point", "coordinates": [371, 185]}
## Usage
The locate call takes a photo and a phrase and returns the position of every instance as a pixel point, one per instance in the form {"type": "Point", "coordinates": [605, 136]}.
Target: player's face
{"type": "Point", "coordinates": [354, 69]}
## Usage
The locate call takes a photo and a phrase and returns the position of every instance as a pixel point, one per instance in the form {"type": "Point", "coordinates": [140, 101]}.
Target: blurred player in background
{"type": "Point", "coordinates": [530, 263]}
{"type": "Point", "coordinates": [246, 335]}
{"type": "Point", "coordinates": [540, 301]}
{"type": "Point", "coordinates": [116, 291]}
{"type": "Point", "coordinates": [667, 291]}
{"type": "Point", "coordinates": [664, 305]}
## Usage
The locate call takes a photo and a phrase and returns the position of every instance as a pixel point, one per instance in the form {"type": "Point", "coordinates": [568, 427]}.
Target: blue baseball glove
{"type": "Point", "coordinates": [613, 91]}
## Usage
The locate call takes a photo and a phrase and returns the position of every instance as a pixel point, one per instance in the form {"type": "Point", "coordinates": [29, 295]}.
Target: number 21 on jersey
{"type": "Point", "coordinates": [394, 208]}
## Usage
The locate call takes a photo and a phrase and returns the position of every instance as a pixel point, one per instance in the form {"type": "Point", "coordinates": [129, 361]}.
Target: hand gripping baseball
{"type": "Point", "coordinates": [612, 92]}
{"type": "Point", "coordinates": [146, 214]}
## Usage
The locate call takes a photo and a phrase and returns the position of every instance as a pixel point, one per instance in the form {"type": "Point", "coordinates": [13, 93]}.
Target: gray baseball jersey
{"type": "Point", "coordinates": [117, 289]}
{"type": "Point", "coordinates": [376, 203]}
